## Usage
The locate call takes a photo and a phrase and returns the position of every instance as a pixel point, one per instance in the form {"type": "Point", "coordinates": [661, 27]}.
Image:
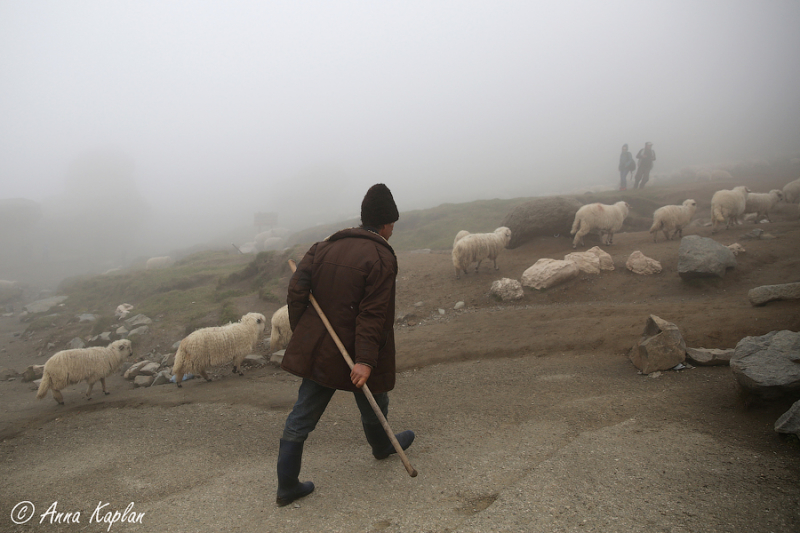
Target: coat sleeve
{"type": "Point", "coordinates": [300, 288]}
{"type": "Point", "coordinates": [372, 313]}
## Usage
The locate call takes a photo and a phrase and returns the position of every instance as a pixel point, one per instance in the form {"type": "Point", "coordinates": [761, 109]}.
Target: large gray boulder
{"type": "Point", "coordinates": [768, 366]}
{"type": "Point", "coordinates": [701, 257]}
{"type": "Point", "coordinates": [660, 347]}
{"type": "Point", "coordinates": [769, 293]}
{"type": "Point", "coordinates": [552, 215]}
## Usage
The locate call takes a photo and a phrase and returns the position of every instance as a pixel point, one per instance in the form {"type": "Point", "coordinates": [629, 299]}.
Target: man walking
{"type": "Point", "coordinates": [646, 156]}
{"type": "Point", "coordinates": [352, 276]}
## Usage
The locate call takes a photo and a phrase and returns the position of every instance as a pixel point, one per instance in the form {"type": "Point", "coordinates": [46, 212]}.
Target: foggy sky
{"type": "Point", "coordinates": [228, 108]}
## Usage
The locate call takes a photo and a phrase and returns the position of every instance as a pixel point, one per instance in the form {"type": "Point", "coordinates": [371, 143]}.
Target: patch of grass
{"type": "Point", "coordinates": [228, 313]}
{"type": "Point", "coordinates": [268, 290]}
{"type": "Point", "coordinates": [42, 323]}
{"type": "Point", "coordinates": [181, 306]}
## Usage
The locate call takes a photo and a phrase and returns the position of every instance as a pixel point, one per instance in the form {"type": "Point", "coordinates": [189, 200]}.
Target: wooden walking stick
{"type": "Point", "coordinates": [410, 469]}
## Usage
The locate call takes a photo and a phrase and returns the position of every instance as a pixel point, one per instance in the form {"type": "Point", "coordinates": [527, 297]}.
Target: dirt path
{"type": "Point", "coordinates": [529, 418]}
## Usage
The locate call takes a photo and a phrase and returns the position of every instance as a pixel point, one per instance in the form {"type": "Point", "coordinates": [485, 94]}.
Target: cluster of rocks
{"type": "Point", "coordinates": [547, 272]}
{"type": "Point", "coordinates": [766, 367]}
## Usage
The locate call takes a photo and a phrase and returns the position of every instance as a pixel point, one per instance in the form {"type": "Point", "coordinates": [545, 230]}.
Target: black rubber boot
{"type": "Point", "coordinates": [290, 457]}
{"type": "Point", "coordinates": [381, 445]}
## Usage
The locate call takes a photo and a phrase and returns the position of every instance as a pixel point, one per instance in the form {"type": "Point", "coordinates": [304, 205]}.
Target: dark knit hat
{"type": "Point", "coordinates": [378, 207]}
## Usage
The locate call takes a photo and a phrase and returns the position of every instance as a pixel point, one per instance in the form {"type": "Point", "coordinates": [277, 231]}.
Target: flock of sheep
{"type": "Point", "coordinates": [228, 344]}
{"type": "Point", "coordinates": [727, 206]}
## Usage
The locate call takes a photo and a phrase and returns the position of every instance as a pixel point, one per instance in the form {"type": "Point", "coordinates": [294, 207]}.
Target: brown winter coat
{"type": "Point", "coordinates": [352, 276]}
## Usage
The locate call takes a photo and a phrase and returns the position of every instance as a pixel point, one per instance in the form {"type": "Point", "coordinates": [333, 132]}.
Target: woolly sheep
{"type": "Point", "coordinates": [155, 263]}
{"type": "Point", "coordinates": [477, 247]}
{"type": "Point", "coordinates": [791, 191]}
{"type": "Point", "coordinates": [281, 330]}
{"type": "Point", "coordinates": [216, 346]}
{"type": "Point", "coordinates": [727, 206]}
{"type": "Point", "coordinates": [671, 219]}
{"type": "Point", "coordinates": [461, 234]}
{"type": "Point", "coordinates": [607, 219]}
{"type": "Point", "coordinates": [83, 364]}
{"type": "Point", "coordinates": [762, 203]}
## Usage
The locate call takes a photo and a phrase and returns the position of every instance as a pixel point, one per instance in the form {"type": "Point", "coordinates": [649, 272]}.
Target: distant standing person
{"type": "Point", "coordinates": [646, 156]}
{"type": "Point", "coordinates": [626, 165]}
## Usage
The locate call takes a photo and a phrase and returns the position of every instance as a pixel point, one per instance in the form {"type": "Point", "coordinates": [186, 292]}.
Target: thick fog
{"type": "Point", "coordinates": [141, 127]}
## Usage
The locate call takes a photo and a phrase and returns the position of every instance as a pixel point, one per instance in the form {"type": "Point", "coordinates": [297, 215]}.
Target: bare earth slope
{"type": "Point", "coordinates": [529, 415]}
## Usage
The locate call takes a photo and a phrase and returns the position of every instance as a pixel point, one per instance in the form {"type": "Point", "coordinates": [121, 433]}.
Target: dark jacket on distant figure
{"type": "Point", "coordinates": [626, 161]}
{"type": "Point", "coordinates": [646, 156]}
{"type": "Point", "coordinates": [352, 276]}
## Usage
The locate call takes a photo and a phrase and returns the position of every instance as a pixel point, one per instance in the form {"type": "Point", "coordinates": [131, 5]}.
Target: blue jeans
{"type": "Point", "coordinates": [313, 398]}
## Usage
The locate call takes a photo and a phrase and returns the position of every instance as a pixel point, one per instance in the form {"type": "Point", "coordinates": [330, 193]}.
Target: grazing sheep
{"type": "Point", "coordinates": [671, 219]}
{"type": "Point", "coordinates": [727, 206]}
{"type": "Point", "coordinates": [791, 192]}
{"type": "Point", "coordinates": [460, 235]}
{"type": "Point", "coordinates": [83, 364]}
{"type": "Point", "coordinates": [281, 330]}
{"type": "Point", "coordinates": [477, 247]}
{"type": "Point", "coordinates": [217, 346]}
{"type": "Point", "coordinates": [155, 263]}
{"type": "Point", "coordinates": [607, 219]}
{"type": "Point", "coordinates": [762, 203]}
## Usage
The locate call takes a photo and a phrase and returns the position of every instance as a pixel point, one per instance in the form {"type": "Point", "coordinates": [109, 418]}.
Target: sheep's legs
{"type": "Point", "coordinates": [179, 379]}
{"type": "Point", "coordinates": [89, 390]}
{"type": "Point", "coordinates": [103, 383]}
{"type": "Point", "coordinates": [478, 266]}
{"type": "Point", "coordinates": [57, 396]}
{"type": "Point", "coordinates": [579, 237]}
{"type": "Point", "coordinates": [205, 376]}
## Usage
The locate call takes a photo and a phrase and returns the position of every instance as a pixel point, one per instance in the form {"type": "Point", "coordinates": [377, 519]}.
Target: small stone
{"type": "Point", "coordinates": [143, 381]}
{"type": "Point", "coordinates": [75, 344]}
{"type": "Point", "coordinates": [459, 305]}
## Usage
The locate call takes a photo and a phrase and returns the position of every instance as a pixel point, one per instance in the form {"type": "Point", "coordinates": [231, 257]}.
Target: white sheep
{"type": "Point", "coordinates": [607, 219]}
{"type": "Point", "coordinates": [762, 203]}
{"type": "Point", "coordinates": [791, 192]}
{"type": "Point", "coordinates": [281, 330]}
{"type": "Point", "coordinates": [216, 346]}
{"type": "Point", "coordinates": [155, 263]}
{"type": "Point", "coordinates": [461, 234]}
{"type": "Point", "coordinates": [83, 364]}
{"type": "Point", "coordinates": [727, 206]}
{"type": "Point", "coordinates": [671, 219]}
{"type": "Point", "coordinates": [479, 246]}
